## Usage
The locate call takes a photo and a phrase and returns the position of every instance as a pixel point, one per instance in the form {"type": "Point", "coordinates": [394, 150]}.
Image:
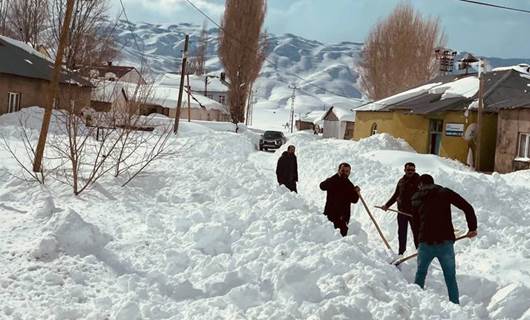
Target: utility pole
{"type": "Point", "coordinates": [181, 87]}
{"type": "Point", "coordinates": [293, 96]}
{"type": "Point", "coordinates": [479, 113]}
{"type": "Point", "coordinates": [53, 86]}
{"type": "Point", "coordinates": [189, 98]}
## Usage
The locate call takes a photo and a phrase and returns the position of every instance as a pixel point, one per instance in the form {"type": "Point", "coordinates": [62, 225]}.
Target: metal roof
{"type": "Point", "coordinates": [18, 58]}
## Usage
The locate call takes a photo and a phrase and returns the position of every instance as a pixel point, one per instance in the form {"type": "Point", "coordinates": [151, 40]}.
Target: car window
{"type": "Point", "coordinates": [272, 135]}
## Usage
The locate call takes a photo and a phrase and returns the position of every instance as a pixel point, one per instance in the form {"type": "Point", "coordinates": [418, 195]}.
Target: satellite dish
{"type": "Point", "coordinates": [471, 132]}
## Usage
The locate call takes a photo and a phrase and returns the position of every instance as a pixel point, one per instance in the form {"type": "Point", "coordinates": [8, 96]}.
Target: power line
{"type": "Point", "coordinates": [143, 58]}
{"type": "Point", "coordinates": [274, 64]}
{"type": "Point", "coordinates": [495, 6]}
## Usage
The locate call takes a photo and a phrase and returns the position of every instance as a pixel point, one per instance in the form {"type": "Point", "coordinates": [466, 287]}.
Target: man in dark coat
{"type": "Point", "coordinates": [406, 187]}
{"type": "Point", "coordinates": [432, 203]}
{"type": "Point", "coordinates": [287, 169]}
{"type": "Point", "coordinates": [341, 193]}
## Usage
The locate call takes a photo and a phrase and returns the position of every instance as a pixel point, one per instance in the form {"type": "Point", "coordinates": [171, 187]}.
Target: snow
{"type": "Point", "coordinates": [521, 68]}
{"type": "Point", "coordinates": [402, 96]}
{"type": "Point", "coordinates": [207, 233]}
{"type": "Point", "coordinates": [344, 114]}
{"type": "Point", "coordinates": [168, 97]}
{"type": "Point", "coordinates": [163, 95]}
{"type": "Point", "coordinates": [466, 87]}
{"type": "Point", "coordinates": [196, 82]}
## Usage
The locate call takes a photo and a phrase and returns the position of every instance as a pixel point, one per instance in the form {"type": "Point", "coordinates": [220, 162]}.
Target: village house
{"type": "Point", "coordinates": [112, 72]}
{"type": "Point", "coordinates": [440, 117]}
{"type": "Point", "coordinates": [338, 123]}
{"type": "Point", "coordinates": [211, 86]}
{"type": "Point", "coordinates": [163, 99]}
{"type": "Point", "coordinates": [25, 75]}
{"type": "Point", "coordinates": [310, 121]}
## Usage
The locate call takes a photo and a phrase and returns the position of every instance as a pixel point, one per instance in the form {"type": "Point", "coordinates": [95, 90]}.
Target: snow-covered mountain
{"type": "Point", "coordinates": [330, 71]}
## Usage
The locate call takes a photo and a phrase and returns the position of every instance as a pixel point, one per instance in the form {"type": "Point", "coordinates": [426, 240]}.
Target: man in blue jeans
{"type": "Point", "coordinates": [432, 208]}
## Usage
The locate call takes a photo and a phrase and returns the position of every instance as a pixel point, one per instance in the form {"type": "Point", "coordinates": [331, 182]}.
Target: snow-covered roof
{"type": "Point", "coordinates": [402, 96]}
{"type": "Point", "coordinates": [466, 87]}
{"type": "Point", "coordinates": [505, 87]}
{"type": "Point", "coordinates": [521, 68]}
{"type": "Point", "coordinates": [20, 59]}
{"type": "Point", "coordinates": [106, 91]}
{"type": "Point", "coordinates": [167, 96]}
{"type": "Point", "coordinates": [312, 116]}
{"type": "Point", "coordinates": [341, 113]}
{"type": "Point", "coordinates": [196, 82]}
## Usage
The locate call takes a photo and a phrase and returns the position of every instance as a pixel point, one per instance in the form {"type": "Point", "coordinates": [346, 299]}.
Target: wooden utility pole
{"type": "Point", "coordinates": [479, 114]}
{"type": "Point", "coordinates": [182, 75]}
{"type": "Point", "coordinates": [53, 86]}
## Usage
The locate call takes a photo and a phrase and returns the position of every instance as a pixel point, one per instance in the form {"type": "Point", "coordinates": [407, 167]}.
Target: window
{"type": "Point", "coordinates": [436, 128]}
{"type": "Point", "coordinates": [13, 101]}
{"type": "Point", "coordinates": [222, 99]}
{"type": "Point", "coordinates": [373, 130]}
{"type": "Point", "coordinates": [210, 96]}
{"type": "Point", "coordinates": [524, 145]}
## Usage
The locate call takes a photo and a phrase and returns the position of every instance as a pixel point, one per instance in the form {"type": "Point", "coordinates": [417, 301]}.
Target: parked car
{"type": "Point", "coordinates": [271, 140]}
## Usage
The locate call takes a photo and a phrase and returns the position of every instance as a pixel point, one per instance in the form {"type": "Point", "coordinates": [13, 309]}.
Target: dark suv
{"type": "Point", "coordinates": [271, 140]}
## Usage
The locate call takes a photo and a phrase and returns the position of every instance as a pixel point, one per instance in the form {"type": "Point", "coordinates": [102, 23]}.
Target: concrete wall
{"type": "Point", "coordinates": [415, 130]}
{"type": "Point", "coordinates": [34, 93]}
{"type": "Point", "coordinates": [511, 123]}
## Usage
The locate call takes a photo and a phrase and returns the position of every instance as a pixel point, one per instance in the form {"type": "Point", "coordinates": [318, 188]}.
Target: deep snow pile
{"type": "Point", "coordinates": [208, 234]}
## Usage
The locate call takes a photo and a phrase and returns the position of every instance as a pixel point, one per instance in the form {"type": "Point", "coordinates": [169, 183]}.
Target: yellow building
{"type": "Point", "coordinates": [440, 117]}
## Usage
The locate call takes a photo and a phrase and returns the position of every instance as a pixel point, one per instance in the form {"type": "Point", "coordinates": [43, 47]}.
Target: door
{"type": "Point", "coordinates": [331, 129]}
{"type": "Point", "coordinates": [435, 135]}
{"type": "Point", "coordinates": [13, 102]}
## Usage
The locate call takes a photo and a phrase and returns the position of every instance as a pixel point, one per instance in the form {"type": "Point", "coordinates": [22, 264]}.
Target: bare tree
{"type": "Point", "coordinates": [199, 57]}
{"type": "Point", "coordinates": [4, 9]}
{"type": "Point", "coordinates": [27, 20]}
{"type": "Point", "coordinates": [399, 52]}
{"type": "Point", "coordinates": [91, 39]}
{"type": "Point", "coordinates": [242, 50]}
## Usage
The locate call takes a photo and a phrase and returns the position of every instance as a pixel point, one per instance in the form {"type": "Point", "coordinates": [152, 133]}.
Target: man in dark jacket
{"type": "Point", "coordinates": [406, 187]}
{"type": "Point", "coordinates": [341, 193]}
{"type": "Point", "coordinates": [432, 203]}
{"type": "Point", "coordinates": [287, 169]}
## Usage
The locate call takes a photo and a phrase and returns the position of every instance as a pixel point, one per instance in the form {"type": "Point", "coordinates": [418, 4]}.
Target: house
{"type": "Point", "coordinates": [211, 86]}
{"type": "Point", "coordinates": [440, 117]}
{"type": "Point", "coordinates": [108, 95]}
{"type": "Point", "coordinates": [512, 151]}
{"type": "Point", "coordinates": [112, 72]}
{"type": "Point", "coordinates": [25, 75]}
{"type": "Point", "coordinates": [164, 99]}
{"type": "Point", "coordinates": [338, 123]}
{"type": "Point", "coordinates": [310, 121]}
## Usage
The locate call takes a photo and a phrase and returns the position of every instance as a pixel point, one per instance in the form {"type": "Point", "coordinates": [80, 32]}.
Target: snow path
{"type": "Point", "coordinates": [209, 235]}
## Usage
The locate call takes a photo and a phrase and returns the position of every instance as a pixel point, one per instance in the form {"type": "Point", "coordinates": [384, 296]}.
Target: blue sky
{"type": "Point", "coordinates": [481, 30]}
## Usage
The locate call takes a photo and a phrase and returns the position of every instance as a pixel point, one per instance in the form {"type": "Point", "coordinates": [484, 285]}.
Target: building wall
{"type": "Point", "coordinates": [304, 125]}
{"type": "Point", "coordinates": [412, 128]}
{"type": "Point", "coordinates": [511, 123]}
{"type": "Point", "coordinates": [200, 114]}
{"type": "Point", "coordinates": [415, 130]}
{"type": "Point", "coordinates": [33, 93]}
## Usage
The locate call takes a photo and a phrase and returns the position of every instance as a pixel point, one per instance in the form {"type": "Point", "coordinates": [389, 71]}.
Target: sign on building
{"type": "Point", "coordinates": [454, 129]}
